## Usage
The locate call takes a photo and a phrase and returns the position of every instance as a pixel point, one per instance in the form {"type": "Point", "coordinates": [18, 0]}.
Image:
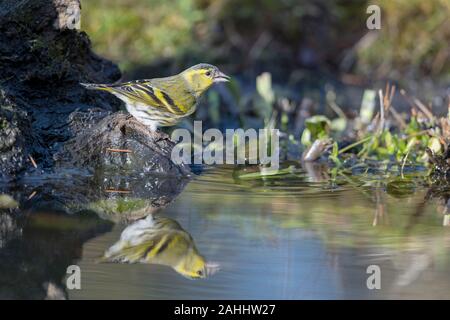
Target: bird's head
{"type": "Point", "coordinates": [192, 266]}
{"type": "Point", "coordinates": [201, 76]}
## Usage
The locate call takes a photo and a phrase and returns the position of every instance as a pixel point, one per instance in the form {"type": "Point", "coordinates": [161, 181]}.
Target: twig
{"type": "Point", "coordinates": [403, 164]}
{"type": "Point", "coordinates": [398, 118]}
{"type": "Point", "coordinates": [32, 161]}
{"type": "Point", "coordinates": [119, 150]}
{"type": "Point", "coordinates": [416, 102]}
{"type": "Point", "coordinates": [415, 134]}
{"type": "Point", "coordinates": [387, 99]}
{"type": "Point", "coordinates": [333, 105]}
{"type": "Point", "coordinates": [424, 109]}
{"type": "Point", "coordinates": [405, 96]}
{"type": "Point", "coordinates": [379, 210]}
{"type": "Point", "coordinates": [118, 191]}
{"type": "Point", "coordinates": [32, 195]}
{"type": "Point", "coordinates": [388, 96]}
{"type": "Point", "coordinates": [381, 126]}
{"type": "Point", "coordinates": [259, 45]}
{"type": "Point", "coordinates": [391, 96]}
{"type": "Point", "coordinates": [356, 186]}
{"type": "Point", "coordinates": [357, 143]}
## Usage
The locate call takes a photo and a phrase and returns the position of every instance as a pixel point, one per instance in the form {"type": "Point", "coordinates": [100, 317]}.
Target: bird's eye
{"type": "Point", "coordinates": [208, 73]}
{"type": "Point", "coordinates": [200, 273]}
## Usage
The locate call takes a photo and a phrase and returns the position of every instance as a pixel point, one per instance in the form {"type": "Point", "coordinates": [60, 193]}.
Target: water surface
{"type": "Point", "coordinates": [300, 235]}
{"type": "Point", "coordinates": [289, 237]}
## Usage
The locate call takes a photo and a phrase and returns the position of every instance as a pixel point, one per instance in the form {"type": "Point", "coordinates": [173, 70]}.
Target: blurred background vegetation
{"type": "Point", "coordinates": [289, 59]}
{"type": "Point", "coordinates": [271, 35]}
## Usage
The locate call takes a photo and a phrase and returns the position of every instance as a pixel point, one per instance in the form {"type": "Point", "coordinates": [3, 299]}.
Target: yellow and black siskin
{"type": "Point", "coordinates": [165, 101]}
{"type": "Point", "coordinates": [160, 240]}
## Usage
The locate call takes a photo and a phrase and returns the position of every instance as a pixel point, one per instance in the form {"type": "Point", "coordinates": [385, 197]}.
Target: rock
{"type": "Point", "coordinates": [126, 199]}
{"type": "Point", "coordinates": [7, 202]}
{"type": "Point", "coordinates": [45, 115]}
{"type": "Point", "coordinates": [13, 137]}
{"type": "Point", "coordinates": [54, 292]}
{"type": "Point", "coordinates": [42, 60]}
{"type": "Point", "coordinates": [120, 142]}
{"type": "Point", "coordinates": [8, 228]}
{"type": "Point", "coordinates": [115, 195]}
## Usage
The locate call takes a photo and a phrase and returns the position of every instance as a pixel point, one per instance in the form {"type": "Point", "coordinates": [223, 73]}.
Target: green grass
{"type": "Point", "coordinates": [413, 39]}
{"type": "Point", "coordinates": [133, 32]}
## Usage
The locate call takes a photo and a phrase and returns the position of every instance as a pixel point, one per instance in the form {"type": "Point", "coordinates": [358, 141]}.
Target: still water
{"type": "Point", "coordinates": [299, 235]}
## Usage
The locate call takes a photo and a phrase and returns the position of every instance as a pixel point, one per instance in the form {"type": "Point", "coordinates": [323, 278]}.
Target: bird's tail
{"type": "Point", "coordinates": [95, 86]}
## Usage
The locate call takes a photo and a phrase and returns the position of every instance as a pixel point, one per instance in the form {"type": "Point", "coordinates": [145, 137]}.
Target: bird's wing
{"type": "Point", "coordinates": [145, 92]}
{"type": "Point", "coordinates": [129, 253]}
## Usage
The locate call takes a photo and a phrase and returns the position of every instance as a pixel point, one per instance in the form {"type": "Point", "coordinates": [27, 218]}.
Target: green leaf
{"type": "Point", "coordinates": [435, 145]}
{"type": "Point", "coordinates": [367, 106]}
{"type": "Point", "coordinates": [400, 188]}
{"type": "Point", "coordinates": [338, 124]}
{"type": "Point", "coordinates": [319, 126]}
{"type": "Point", "coordinates": [266, 172]}
{"type": "Point", "coordinates": [306, 138]}
{"type": "Point", "coordinates": [264, 87]}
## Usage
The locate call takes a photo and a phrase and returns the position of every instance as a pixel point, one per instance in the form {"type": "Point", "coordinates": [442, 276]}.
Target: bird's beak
{"type": "Point", "coordinates": [221, 77]}
{"type": "Point", "coordinates": [211, 268]}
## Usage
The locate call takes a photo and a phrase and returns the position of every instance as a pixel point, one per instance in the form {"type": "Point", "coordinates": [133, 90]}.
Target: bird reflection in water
{"type": "Point", "coordinates": [160, 240]}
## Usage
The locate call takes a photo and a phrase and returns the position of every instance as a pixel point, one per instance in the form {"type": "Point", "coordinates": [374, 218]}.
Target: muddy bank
{"type": "Point", "coordinates": [43, 57]}
{"type": "Point", "coordinates": [119, 141]}
{"type": "Point", "coordinates": [56, 216]}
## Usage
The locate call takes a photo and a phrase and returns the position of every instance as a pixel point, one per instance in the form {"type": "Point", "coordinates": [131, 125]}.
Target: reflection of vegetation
{"type": "Point", "coordinates": [267, 173]}
{"type": "Point", "coordinates": [374, 151]}
{"type": "Point", "coordinates": [350, 211]}
{"type": "Point", "coordinates": [66, 223]}
{"type": "Point", "coordinates": [122, 208]}
{"type": "Point", "coordinates": [159, 240]}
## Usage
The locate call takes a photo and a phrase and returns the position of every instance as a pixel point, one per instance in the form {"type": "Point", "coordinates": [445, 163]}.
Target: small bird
{"type": "Point", "coordinates": [160, 240]}
{"type": "Point", "coordinates": [165, 101]}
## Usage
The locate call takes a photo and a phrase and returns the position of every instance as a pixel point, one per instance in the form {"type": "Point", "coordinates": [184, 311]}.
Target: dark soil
{"type": "Point", "coordinates": [42, 106]}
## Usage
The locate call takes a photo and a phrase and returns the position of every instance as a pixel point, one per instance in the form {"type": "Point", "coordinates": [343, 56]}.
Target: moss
{"type": "Point", "coordinates": [7, 202]}
{"type": "Point", "coordinates": [118, 206]}
{"type": "Point", "coordinates": [3, 123]}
